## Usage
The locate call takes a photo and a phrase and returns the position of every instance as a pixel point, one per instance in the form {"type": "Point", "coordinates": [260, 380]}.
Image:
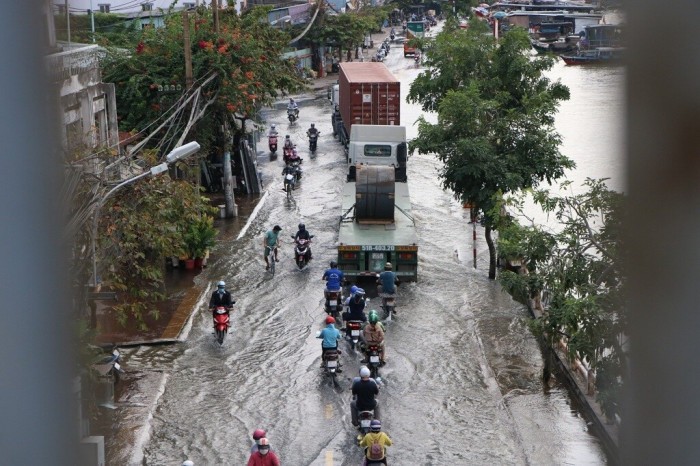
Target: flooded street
{"type": "Point", "coordinates": [462, 384]}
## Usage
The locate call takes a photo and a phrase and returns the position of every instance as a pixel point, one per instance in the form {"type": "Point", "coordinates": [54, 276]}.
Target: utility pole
{"type": "Point", "coordinates": [231, 207]}
{"type": "Point", "coordinates": [92, 22]}
{"type": "Point", "coordinates": [215, 11]}
{"type": "Point", "coordinates": [188, 49]}
{"type": "Point", "coordinates": [68, 22]}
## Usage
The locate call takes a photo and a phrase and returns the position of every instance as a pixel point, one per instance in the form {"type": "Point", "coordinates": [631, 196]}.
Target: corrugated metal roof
{"type": "Point", "coordinates": [367, 72]}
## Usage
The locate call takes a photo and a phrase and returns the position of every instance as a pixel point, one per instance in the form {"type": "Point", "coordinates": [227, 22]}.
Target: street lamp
{"type": "Point", "coordinates": [172, 157]}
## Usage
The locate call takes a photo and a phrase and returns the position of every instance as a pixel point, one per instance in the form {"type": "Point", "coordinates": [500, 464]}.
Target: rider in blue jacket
{"type": "Point", "coordinates": [330, 336]}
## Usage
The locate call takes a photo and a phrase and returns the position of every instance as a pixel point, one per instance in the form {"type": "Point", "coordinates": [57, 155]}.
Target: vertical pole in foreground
{"type": "Point", "coordinates": [37, 401]}
{"type": "Point", "coordinates": [188, 49]}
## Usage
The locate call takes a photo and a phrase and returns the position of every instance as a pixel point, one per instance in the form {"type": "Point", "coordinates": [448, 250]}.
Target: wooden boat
{"type": "Point", "coordinates": [557, 46]}
{"type": "Point", "coordinates": [600, 55]}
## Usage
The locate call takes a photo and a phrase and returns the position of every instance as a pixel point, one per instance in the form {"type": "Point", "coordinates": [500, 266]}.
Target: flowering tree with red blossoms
{"type": "Point", "coordinates": [244, 56]}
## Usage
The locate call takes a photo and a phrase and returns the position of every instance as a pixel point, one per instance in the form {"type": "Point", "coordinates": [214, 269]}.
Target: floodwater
{"type": "Point", "coordinates": [462, 384]}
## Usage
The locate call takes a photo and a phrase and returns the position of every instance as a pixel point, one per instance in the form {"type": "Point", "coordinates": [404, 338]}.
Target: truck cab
{"type": "Point", "coordinates": [378, 145]}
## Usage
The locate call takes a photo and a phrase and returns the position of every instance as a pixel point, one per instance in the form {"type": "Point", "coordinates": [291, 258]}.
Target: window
{"type": "Point", "coordinates": [188, 5]}
{"type": "Point", "coordinates": [147, 6]}
{"type": "Point", "coordinates": [375, 150]}
{"type": "Point", "coordinates": [104, 7]}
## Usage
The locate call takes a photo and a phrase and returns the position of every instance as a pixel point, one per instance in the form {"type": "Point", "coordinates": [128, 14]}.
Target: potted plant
{"type": "Point", "coordinates": [199, 237]}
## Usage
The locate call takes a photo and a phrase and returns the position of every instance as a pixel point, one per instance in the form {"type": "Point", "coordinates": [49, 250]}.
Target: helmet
{"type": "Point", "coordinates": [312, 125]}
{"type": "Point", "coordinates": [187, 463]}
{"type": "Point", "coordinates": [375, 425]}
{"type": "Point", "coordinates": [302, 227]}
{"type": "Point", "coordinates": [333, 264]}
{"type": "Point", "coordinates": [353, 289]}
{"type": "Point", "coordinates": [264, 443]}
{"type": "Point", "coordinates": [277, 228]}
{"type": "Point", "coordinates": [221, 284]}
{"type": "Point", "coordinates": [388, 266]}
{"type": "Point", "coordinates": [373, 317]}
{"type": "Point", "coordinates": [272, 126]}
{"type": "Point", "coordinates": [258, 434]}
{"type": "Point", "coordinates": [364, 372]}
{"type": "Point", "coordinates": [287, 136]}
{"type": "Point", "coordinates": [330, 320]}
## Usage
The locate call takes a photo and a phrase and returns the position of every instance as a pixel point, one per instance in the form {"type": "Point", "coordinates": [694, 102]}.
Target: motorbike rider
{"type": "Point", "coordinates": [273, 131]}
{"type": "Point", "coordinates": [364, 391]}
{"type": "Point", "coordinates": [272, 240]}
{"type": "Point", "coordinates": [375, 436]}
{"type": "Point", "coordinates": [356, 305]}
{"type": "Point", "coordinates": [387, 282]}
{"type": "Point", "coordinates": [373, 334]}
{"type": "Point", "coordinates": [289, 169]}
{"type": "Point", "coordinates": [312, 130]}
{"type": "Point", "coordinates": [334, 279]}
{"type": "Point", "coordinates": [293, 107]}
{"type": "Point", "coordinates": [221, 297]}
{"type": "Point", "coordinates": [330, 336]}
{"type": "Point", "coordinates": [263, 456]}
{"type": "Point", "coordinates": [288, 144]}
{"type": "Point", "coordinates": [303, 233]}
{"type": "Point", "coordinates": [257, 435]}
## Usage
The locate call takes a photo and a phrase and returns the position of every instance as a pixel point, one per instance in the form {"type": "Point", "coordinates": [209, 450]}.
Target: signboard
{"type": "Point", "coordinates": [415, 29]}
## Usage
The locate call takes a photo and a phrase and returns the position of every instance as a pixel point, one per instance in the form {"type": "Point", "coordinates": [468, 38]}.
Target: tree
{"type": "Point", "coordinates": [495, 132]}
{"type": "Point", "coordinates": [243, 57]}
{"type": "Point", "coordinates": [579, 267]}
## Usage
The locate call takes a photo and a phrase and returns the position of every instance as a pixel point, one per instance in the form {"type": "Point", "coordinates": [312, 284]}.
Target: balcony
{"type": "Point", "coordinates": [61, 66]}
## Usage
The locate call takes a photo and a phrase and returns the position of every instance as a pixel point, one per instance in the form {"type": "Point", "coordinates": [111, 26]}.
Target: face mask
{"type": "Point", "coordinates": [263, 451]}
{"type": "Point", "coordinates": [221, 290]}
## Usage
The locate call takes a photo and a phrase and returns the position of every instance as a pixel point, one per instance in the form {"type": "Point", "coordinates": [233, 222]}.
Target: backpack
{"type": "Point", "coordinates": [375, 451]}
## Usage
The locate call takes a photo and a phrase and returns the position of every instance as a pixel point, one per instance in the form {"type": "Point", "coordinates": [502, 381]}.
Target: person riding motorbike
{"type": "Point", "coordinates": [293, 107]}
{"type": "Point", "coordinates": [257, 435]}
{"type": "Point", "coordinates": [221, 297]}
{"type": "Point", "coordinates": [289, 169]}
{"type": "Point", "coordinates": [373, 334]}
{"type": "Point", "coordinates": [375, 436]}
{"type": "Point", "coordinates": [356, 305]}
{"type": "Point", "coordinates": [330, 336]}
{"type": "Point", "coordinates": [288, 144]}
{"type": "Point", "coordinates": [312, 130]}
{"type": "Point", "coordinates": [387, 280]}
{"type": "Point", "coordinates": [303, 233]}
{"type": "Point", "coordinates": [264, 456]}
{"type": "Point", "coordinates": [364, 391]}
{"type": "Point", "coordinates": [334, 280]}
{"type": "Point", "coordinates": [273, 131]}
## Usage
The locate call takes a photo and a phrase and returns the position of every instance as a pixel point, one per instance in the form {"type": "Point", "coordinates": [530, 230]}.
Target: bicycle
{"type": "Point", "coordinates": [271, 259]}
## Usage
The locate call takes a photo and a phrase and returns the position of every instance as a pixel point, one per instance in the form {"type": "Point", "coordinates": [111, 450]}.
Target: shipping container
{"type": "Point", "coordinates": [369, 95]}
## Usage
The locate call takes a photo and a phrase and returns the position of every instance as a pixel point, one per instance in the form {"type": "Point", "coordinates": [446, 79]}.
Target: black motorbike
{"type": "Point", "coordinates": [334, 303]}
{"type": "Point", "coordinates": [313, 140]}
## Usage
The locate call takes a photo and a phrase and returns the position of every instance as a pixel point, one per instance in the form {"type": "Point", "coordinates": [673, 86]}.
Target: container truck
{"type": "Point", "coordinates": [368, 94]}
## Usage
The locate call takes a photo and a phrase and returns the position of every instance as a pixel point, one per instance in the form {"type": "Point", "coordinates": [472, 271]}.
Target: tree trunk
{"type": "Point", "coordinates": [492, 251]}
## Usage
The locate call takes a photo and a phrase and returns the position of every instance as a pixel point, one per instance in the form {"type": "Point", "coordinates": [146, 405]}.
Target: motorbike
{"type": "Point", "coordinates": [416, 58]}
{"type": "Point", "coordinates": [389, 305]}
{"type": "Point", "coordinates": [380, 55]}
{"type": "Point", "coordinates": [365, 418]}
{"type": "Point", "coordinates": [373, 361]}
{"type": "Point", "coordinates": [392, 34]}
{"type": "Point", "coordinates": [292, 115]}
{"type": "Point", "coordinates": [334, 305]}
{"type": "Point", "coordinates": [302, 249]}
{"type": "Point", "coordinates": [313, 140]}
{"type": "Point", "coordinates": [272, 143]}
{"type": "Point", "coordinates": [290, 157]}
{"type": "Point", "coordinates": [222, 322]}
{"type": "Point", "coordinates": [107, 365]}
{"type": "Point", "coordinates": [297, 168]}
{"type": "Point", "coordinates": [353, 328]}
{"type": "Point", "coordinates": [331, 364]}
{"type": "Point", "coordinates": [290, 182]}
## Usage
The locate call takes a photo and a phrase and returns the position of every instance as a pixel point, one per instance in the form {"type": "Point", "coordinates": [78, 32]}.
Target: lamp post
{"type": "Point", "coordinates": [172, 157]}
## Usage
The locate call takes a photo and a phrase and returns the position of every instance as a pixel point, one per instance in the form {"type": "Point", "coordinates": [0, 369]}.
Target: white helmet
{"type": "Point", "coordinates": [187, 463]}
{"type": "Point", "coordinates": [221, 284]}
{"type": "Point", "coordinates": [364, 372]}
{"type": "Point", "coordinates": [272, 126]}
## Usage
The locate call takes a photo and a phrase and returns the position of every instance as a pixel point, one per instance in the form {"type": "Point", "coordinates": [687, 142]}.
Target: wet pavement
{"type": "Point", "coordinates": [462, 384]}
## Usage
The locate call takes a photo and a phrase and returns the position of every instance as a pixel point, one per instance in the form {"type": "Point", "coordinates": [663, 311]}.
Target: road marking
{"type": "Point", "coordinates": [329, 411]}
{"type": "Point", "coordinates": [253, 215]}
{"type": "Point", "coordinates": [329, 457]}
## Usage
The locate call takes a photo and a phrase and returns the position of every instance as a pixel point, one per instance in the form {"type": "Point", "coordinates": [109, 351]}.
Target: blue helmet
{"type": "Point", "coordinates": [375, 425]}
{"type": "Point", "coordinates": [354, 289]}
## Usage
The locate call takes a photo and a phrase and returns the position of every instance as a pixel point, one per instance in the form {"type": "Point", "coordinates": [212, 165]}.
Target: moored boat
{"type": "Point", "coordinates": [601, 55]}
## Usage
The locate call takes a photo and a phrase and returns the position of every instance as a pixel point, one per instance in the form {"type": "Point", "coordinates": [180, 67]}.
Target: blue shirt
{"type": "Point", "coordinates": [334, 277]}
{"type": "Point", "coordinates": [388, 279]}
{"type": "Point", "coordinates": [330, 336]}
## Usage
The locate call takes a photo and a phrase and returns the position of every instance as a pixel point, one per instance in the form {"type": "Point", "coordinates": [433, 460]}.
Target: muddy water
{"type": "Point", "coordinates": [462, 384]}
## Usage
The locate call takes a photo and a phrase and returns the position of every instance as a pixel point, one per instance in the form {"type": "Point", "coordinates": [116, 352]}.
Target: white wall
{"type": "Point", "coordinates": [128, 6]}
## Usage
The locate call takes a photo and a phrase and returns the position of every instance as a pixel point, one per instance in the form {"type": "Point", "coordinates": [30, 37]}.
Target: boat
{"type": "Point", "coordinates": [558, 46]}
{"type": "Point", "coordinates": [600, 55]}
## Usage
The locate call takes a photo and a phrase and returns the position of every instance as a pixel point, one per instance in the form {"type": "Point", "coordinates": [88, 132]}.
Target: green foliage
{"type": "Point", "coordinates": [245, 55]}
{"type": "Point", "coordinates": [347, 30]}
{"type": "Point", "coordinates": [142, 225]}
{"type": "Point", "coordinates": [495, 132]}
{"type": "Point", "coordinates": [199, 236]}
{"type": "Point", "coordinates": [579, 267]}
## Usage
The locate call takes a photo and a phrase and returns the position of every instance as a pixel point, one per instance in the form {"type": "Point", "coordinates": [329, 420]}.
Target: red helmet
{"type": "Point", "coordinates": [258, 434]}
{"type": "Point", "coordinates": [330, 320]}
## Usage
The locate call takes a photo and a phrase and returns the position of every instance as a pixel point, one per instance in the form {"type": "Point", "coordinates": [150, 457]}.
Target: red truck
{"type": "Point", "coordinates": [368, 94]}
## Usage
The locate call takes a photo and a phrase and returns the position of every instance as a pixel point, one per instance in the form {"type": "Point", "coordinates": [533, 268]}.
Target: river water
{"type": "Point", "coordinates": [462, 384]}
